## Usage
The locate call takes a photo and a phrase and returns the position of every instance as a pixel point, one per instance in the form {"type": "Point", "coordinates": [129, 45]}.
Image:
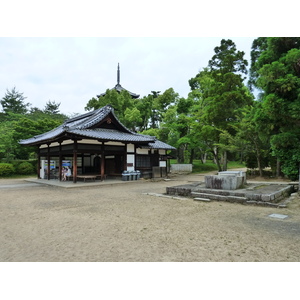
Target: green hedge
{"type": "Point", "coordinates": [6, 169]}
{"type": "Point", "coordinates": [18, 167]}
{"type": "Point", "coordinates": [25, 168]}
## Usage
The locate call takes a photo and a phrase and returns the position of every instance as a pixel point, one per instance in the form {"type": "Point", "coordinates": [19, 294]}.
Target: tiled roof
{"type": "Point", "coordinates": [44, 137]}
{"type": "Point", "coordinates": [83, 126]}
{"type": "Point", "coordinates": [158, 145]}
{"type": "Point", "coordinates": [112, 135]}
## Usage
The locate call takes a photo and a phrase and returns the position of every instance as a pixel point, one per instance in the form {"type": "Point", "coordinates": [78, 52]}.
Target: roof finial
{"type": "Point", "coordinates": [118, 75]}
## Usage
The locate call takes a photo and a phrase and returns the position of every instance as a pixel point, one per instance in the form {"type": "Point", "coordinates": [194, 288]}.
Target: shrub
{"type": "Point", "coordinates": [6, 169]}
{"type": "Point", "coordinates": [255, 173]}
{"type": "Point", "coordinates": [25, 168]}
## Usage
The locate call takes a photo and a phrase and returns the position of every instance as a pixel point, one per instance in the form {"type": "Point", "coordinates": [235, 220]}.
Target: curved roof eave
{"type": "Point", "coordinates": [39, 139]}
{"type": "Point", "coordinates": [119, 89]}
{"type": "Point", "coordinates": [113, 135]}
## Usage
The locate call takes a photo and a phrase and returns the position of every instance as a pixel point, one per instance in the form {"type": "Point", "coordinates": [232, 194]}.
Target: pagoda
{"type": "Point", "coordinates": [119, 88]}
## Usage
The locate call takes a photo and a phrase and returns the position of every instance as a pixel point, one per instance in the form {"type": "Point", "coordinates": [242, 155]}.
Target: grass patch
{"type": "Point", "coordinates": [209, 166]}
{"type": "Point", "coordinates": [199, 167]}
{"type": "Point", "coordinates": [17, 176]}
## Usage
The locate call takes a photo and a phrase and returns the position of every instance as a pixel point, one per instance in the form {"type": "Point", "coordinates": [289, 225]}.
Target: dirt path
{"type": "Point", "coordinates": [121, 223]}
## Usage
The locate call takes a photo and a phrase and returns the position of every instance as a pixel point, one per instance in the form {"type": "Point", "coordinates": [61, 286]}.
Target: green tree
{"type": "Point", "coordinates": [7, 144]}
{"type": "Point", "coordinates": [251, 138]}
{"type": "Point", "coordinates": [155, 105]}
{"type": "Point", "coordinates": [136, 114]}
{"type": "Point", "coordinates": [51, 107]}
{"type": "Point", "coordinates": [124, 106]}
{"type": "Point", "coordinates": [278, 77]}
{"type": "Point", "coordinates": [177, 122]}
{"type": "Point", "coordinates": [132, 117]}
{"type": "Point", "coordinates": [221, 95]}
{"type": "Point", "coordinates": [145, 105]}
{"type": "Point", "coordinates": [259, 45]}
{"type": "Point", "coordinates": [14, 102]}
{"type": "Point", "coordinates": [15, 127]}
{"type": "Point", "coordinates": [25, 128]}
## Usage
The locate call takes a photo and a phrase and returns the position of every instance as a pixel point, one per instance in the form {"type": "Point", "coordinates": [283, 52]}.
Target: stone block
{"type": "Point", "coordinates": [226, 182]}
{"type": "Point", "coordinates": [240, 174]}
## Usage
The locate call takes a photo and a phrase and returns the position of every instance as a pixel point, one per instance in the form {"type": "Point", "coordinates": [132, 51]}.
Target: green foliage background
{"type": "Point", "coordinates": [222, 120]}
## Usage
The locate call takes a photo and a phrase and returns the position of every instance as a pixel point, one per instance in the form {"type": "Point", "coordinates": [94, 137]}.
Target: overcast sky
{"type": "Point", "coordinates": [71, 71]}
{"type": "Point", "coordinates": [68, 52]}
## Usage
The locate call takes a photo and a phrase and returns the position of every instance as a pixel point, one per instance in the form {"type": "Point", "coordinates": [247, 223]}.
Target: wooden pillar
{"type": "Point", "coordinates": [134, 157]}
{"type": "Point", "coordinates": [125, 158]}
{"type": "Point", "coordinates": [48, 162]}
{"type": "Point", "coordinates": [39, 164]}
{"type": "Point", "coordinates": [60, 163]}
{"type": "Point", "coordinates": [75, 162]}
{"type": "Point", "coordinates": [82, 163]}
{"type": "Point", "coordinates": [102, 167]}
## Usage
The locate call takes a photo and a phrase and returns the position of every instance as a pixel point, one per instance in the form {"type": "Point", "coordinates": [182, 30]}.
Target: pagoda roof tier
{"type": "Point", "coordinates": [119, 88]}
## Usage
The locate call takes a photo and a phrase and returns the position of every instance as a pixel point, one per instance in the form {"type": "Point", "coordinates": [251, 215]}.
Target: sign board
{"type": "Point", "coordinates": [67, 163]}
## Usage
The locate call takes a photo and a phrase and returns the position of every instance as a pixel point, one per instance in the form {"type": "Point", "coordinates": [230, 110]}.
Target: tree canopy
{"type": "Point", "coordinates": [219, 119]}
{"type": "Point", "coordinates": [19, 122]}
{"type": "Point", "coordinates": [220, 95]}
{"type": "Point", "coordinates": [277, 75]}
{"type": "Point", "coordinates": [14, 102]}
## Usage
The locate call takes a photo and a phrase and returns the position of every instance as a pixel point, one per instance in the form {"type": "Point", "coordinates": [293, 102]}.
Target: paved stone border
{"type": "Point", "coordinates": [264, 194]}
{"type": "Point", "coordinates": [166, 196]}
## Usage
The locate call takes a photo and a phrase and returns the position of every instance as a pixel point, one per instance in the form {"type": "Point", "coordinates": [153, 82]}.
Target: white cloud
{"type": "Point", "coordinates": [73, 70]}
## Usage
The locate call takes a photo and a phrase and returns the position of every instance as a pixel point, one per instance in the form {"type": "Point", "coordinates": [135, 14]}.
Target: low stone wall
{"type": "Point", "coordinates": [181, 168]}
{"type": "Point", "coordinates": [274, 196]}
{"type": "Point", "coordinates": [267, 195]}
{"type": "Point", "coordinates": [182, 190]}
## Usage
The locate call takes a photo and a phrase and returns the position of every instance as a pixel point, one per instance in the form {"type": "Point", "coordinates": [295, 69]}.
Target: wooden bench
{"type": "Point", "coordinates": [84, 177]}
{"type": "Point", "coordinates": [99, 176]}
{"type": "Point", "coordinates": [90, 176]}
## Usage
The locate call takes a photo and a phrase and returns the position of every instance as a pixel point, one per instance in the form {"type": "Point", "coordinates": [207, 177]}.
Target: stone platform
{"type": "Point", "coordinates": [253, 193]}
{"type": "Point", "coordinates": [226, 180]}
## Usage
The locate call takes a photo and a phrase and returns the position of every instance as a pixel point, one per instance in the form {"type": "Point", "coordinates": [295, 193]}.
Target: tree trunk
{"type": "Point", "coordinates": [258, 159]}
{"type": "Point", "coordinates": [242, 157]}
{"type": "Point", "coordinates": [216, 159]}
{"type": "Point", "coordinates": [299, 179]}
{"type": "Point", "coordinates": [192, 156]}
{"type": "Point", "coordinates": [225, 161]}
{"type": "Point", "coordinates": [259, 164]}
{"type": "Point", "coordinates": [277, 168]}
{"type": "Point", "coordinates": [180, 156]}
{"type": "Point", "coordinates": [203, 157]}
{"type": "Point", "coordinates": [259, 167]}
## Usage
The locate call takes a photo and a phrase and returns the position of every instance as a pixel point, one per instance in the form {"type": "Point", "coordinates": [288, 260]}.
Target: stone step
{"type": "Point", "coordinates": [237, 193]}
{"type": "Point", "coordinates": [219, 197]}
{"type": "Point", "coordinates": [202, 199]}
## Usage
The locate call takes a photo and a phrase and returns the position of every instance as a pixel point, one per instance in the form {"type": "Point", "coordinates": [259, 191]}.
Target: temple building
{"type": "Point", "coordinates": [97, 144]}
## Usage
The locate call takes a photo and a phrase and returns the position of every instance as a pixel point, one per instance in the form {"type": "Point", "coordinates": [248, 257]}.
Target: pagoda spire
{"type": "Point", "coordinates": [118, 75]}
{"type": "Point", "coordinates": [119, 88]}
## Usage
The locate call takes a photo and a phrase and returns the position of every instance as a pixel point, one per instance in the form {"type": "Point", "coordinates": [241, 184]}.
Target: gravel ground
{"type": "Point", "coordinates": [114, 223]}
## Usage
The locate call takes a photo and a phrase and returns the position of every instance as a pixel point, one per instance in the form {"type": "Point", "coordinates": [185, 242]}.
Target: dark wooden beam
{"type": "Point", "coordinates": [60, 163]}
{"type": "Point", "coordinates": [102, 171]}
{"type": "Point", "coordinates": [75, 162]}
{"type": "Point", "coordinates": [39, 164]}
{"type": "Point", "coordinates": [125, 158]}
{"type": "Point", "coordinates": [48, 162]}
